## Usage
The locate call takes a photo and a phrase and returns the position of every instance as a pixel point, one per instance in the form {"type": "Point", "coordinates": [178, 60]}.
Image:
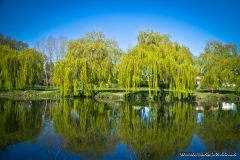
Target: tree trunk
{"type": "Point", "coordinates": [161, 88]}
{"type": "Point", "coordinates": [162, 93]}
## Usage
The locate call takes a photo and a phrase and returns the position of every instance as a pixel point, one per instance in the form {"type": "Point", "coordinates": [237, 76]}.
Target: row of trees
{"type": "Point", "coordinates": [82, 66]}
{"type": "Point", "coordinates": [12, 43]}
{"type": "Point", "coordinates": [21, 66]}
{"type": "Point", "coordinates": [94, 60]}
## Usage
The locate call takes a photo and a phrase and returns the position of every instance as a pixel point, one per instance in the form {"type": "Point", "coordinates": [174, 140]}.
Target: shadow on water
{"type": "Point", "coordinates": [87, 129]}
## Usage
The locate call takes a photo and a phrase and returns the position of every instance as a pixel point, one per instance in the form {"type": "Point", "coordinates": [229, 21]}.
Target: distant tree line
{"type": "Point", "coordinates": [12, 43]}
{"type": "Point", "coordinates": [84, 65]}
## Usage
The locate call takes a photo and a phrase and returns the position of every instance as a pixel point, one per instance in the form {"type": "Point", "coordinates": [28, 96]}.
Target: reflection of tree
{"type": "Point", "coordinates": [168, 130]}
{"type": "Point", "coordinates": [20, 121]}
{"type": "Point", "coordinates": [92, 130]}
{"type": "Point", "coordinates": [87, 126]}
{"type": "Point", "coordinates": [220, 130]}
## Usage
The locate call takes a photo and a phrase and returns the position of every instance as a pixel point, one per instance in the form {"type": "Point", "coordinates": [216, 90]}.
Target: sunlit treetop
{"type": "Point", "coordinates": [159, 62]}
{"type": "Point", "coordinates": [88, 65]}
{"type": "Point", "coordinates": [19, 68]}
{"type": "Point", "coordinates": [220, 64]}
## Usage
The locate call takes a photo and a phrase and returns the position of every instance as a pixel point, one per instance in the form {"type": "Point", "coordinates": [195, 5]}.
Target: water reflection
{"type": "Point", "coordinates": [220, 128]}
{"type": "Point", "coordinates": [70, 129]}
{"type": "Point", "coordinates": [199, 111]}
{"type": "Point", "coordinates": [88, 127]}
{"type": "Point", "coordinates": [20, 122]}
{"type": "Point", "coordinates": [226, 106]}
{"type": "Point", "coordinates": [166, 129]}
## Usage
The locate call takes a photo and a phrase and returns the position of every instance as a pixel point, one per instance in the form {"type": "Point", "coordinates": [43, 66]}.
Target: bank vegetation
{"type": "Point", "coordinates": [87, 65]}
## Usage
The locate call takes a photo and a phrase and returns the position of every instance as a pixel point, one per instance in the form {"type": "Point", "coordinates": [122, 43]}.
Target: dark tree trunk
{"type": "Point", "coordinates": [161, 87]}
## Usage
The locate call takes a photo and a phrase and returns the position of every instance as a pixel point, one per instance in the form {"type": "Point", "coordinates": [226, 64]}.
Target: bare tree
{"type": "Point", "coordinates": [62, 42]}
{"type": "Point", "coordinates": [54, 49]}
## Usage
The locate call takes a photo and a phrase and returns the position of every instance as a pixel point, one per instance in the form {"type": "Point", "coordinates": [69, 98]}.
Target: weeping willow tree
{"type": "Point", "coordinates": [220, 65]}
{"type": "Point", "coordinates": [19, 68]}
{"type": "Point", "coordinates": [159, 62]}
{"type": "Point", "coordinates": [88, 65]}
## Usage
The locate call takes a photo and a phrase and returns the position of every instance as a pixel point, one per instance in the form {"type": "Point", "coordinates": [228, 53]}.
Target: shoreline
{"type": "Point", "coordinates": [117, 94]}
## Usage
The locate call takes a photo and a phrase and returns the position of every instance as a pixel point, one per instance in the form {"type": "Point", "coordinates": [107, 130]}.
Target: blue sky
{"type": "Point", "coordinates": [190, 22]}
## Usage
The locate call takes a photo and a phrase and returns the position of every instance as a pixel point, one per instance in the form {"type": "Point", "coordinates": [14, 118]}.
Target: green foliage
{"type": "Point", "coordinates": [19, 68]}
{"type": "Point", "coordinates": [12, 43]}
{"type": "Point", "coordinates": [220, 65]}
{"type": "Point", "coordinates": [95, 60]}
{"type": "Point", "coordinates": [161, 63]}
{"type": "Point", "coordinates": [88, 65]}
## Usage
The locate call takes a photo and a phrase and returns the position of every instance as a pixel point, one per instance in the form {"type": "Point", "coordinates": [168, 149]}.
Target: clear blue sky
{"type": "Point", "coordinates": [190, 22]}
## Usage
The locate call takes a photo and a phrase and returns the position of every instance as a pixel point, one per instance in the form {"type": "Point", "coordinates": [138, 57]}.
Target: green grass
{"type": "Point", "coordinates": [40, 92]}
{"type": "Point", "coordinates": [217, 90]}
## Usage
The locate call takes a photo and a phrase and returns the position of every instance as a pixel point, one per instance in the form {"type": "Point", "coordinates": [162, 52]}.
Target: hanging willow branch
{"type": "Point", "coordinates": [88, 65]}
{"type": "Point", "coordinates": [19, 68]}
{"type": "Point", "coordinates": [161, 63]}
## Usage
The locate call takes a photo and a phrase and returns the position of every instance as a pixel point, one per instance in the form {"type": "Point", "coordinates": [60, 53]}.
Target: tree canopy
{"type": "Point", "coordinates": [19, 68]}
{"type": "Point", "coordinates": [82, 66]}
{"type": "Point", "coordinates": [88, 64]}
{"type": "Point", "coordinates": [219, 64]}
{"type": "Point", "coordinates": [160, 62]}
{"type": "Point", "coordinates": [12, 43]}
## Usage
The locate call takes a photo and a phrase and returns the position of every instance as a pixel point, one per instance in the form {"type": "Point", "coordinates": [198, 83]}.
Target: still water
{"type": "Point", "coordinates": [88, 129]}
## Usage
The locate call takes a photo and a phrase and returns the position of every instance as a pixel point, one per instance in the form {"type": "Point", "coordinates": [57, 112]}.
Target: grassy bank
{"type": "Point", "coordinates": [110, 94]}
{"type": "Point", "coordinates": [32, 93]}
{"type": "Point", "coordinates": [221, 94]}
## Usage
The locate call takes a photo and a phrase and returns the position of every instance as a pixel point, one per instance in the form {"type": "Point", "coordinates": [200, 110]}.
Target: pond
{"type": "Point", "coordinates": [89, 129]}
